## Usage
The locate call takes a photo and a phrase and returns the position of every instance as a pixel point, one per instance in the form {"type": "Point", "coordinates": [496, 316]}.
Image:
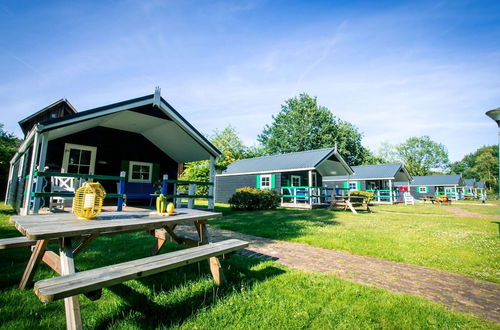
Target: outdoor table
{"type": "Point", "coordinates": [68, 227]}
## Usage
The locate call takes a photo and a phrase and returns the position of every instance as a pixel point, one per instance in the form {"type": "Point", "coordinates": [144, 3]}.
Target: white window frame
{"type": "Point", "coordinates": [68, 146]}
{"type": "Point", "coordinates": [295, 177]}
{"type": "Point", "coordinates": [132, 163]}
{"type": "Point", "coordinates": [263, 187]}
{"type": "Point", "coordinates": [420, 190]}
{"type": "Point", "coordinates": [448, 190]}
{"type": "Point", "coordinates": [355, 186]}
{"type": "Point", "coordinates": [314, 179]}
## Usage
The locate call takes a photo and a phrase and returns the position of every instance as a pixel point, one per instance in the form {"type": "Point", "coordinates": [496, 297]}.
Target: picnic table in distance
{"type": "Point", "coordinates": [350, 202]}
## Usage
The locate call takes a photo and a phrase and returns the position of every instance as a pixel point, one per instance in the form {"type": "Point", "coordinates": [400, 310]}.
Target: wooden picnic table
{"type": "Point", "coordinates": [67, 228]}
{"type": "Point", "coordinates": [350, 202]}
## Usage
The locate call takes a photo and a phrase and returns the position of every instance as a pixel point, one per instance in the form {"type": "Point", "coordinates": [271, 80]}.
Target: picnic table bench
{"type": "Point", "coordinates": [434, 200]}
{"type": "Point", "coordinates": [67, 229]}
{"type": "Point", "coordinates": [350, 202]}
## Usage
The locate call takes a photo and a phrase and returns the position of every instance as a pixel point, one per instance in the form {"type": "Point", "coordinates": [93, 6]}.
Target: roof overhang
{"type": "Point", "coordinates": [169, 131]}
{"type": "Point", "coordinates": [328, 167]}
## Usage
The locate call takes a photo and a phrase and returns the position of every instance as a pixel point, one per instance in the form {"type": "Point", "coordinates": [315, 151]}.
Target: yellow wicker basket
{"type": "Point", "coordinates": [88, 200]}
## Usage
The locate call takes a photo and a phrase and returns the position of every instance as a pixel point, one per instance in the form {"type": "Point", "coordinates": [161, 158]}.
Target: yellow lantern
{"type": "Point", "coordinates": [88, 200]}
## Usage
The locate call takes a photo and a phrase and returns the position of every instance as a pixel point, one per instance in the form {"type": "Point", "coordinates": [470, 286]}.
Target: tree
{"type": "Point", "coordinates": [387, 152]}
{"type": "Point", "coordinates": [481, 165]}
{"type": "Point", "coordinates": [232, 148]}
{"type": "Point", "coordinates": [304, 125]}
{"type": "Point", "coordinates": [8, 146]}
{"type": "Point", "coordinates": [421, 155]}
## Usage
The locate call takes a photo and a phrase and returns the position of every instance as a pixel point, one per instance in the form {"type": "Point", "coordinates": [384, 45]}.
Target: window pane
{"type": "Point", "coordinates": [74, 156]}
{"type": "Point", "coordinates": [72, 168]}
{"type": "Point", "coordinates": [84, 169]}
{"type": "Point", "coordinates": [85, 157]}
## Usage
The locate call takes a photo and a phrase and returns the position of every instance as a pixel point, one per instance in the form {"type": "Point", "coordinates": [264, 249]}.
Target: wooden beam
{"type": "Point", "coordinates": [34, 261]}
{"type": "Point", "coordinates": [86, 241]}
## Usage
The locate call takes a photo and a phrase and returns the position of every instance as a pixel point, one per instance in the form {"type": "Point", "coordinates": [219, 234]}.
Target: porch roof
{"type": "Point", "coordinates": [470, 183]}
{"type": "Point", "coordinates": [148, 115]}
{"type": "Point", "coordinates": [325, 161]}
{"type": "Point", "coordinates": [374, 172]}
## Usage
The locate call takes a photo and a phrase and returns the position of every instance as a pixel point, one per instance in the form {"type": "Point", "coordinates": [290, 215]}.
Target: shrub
{"type": "Point", "coordinates": [254, 199]}
{"type": "Point", "coordinates": [366, 194]}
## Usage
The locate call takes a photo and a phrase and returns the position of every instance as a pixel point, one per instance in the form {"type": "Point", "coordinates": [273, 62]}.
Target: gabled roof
{"type": "Point", "coordinates": [367, 172]}
{"type": "Point", "coordinates": [470, 182]}
{"type": "Point", "coordinates": [148, 115]}
{"type": "Point", "coordinates": [56, 103]}
{"type": "Point", "coordinates": [438, 180]}
{"type": "Point", "coordinates": [480, 185]}
{"type": "Point", "coordinates": [295, 161]}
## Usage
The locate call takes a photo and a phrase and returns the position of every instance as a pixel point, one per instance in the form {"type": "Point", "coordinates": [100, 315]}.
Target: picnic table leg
{"type": "Point", "coordinates": [215, 267]}
{"type": "Point", "coordinates": [71, 304]}
{"type": "Point", "coordinates": [36, 257]}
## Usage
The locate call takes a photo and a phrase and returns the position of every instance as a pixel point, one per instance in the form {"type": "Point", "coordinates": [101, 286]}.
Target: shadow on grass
{"type": "Point", "coordinates": [174, 312]}
{"type": "Point", "coordinates": [280, 224]}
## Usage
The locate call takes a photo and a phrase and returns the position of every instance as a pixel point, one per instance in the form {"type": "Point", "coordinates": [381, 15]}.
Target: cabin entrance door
{"type": "Point", "coordinates": [79, 159]}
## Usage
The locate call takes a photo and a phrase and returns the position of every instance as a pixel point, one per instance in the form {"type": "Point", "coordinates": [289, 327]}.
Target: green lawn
{"type": "Point", "coordinates": [481, 209]}
{"type": "Point", "coordinates": [419, 208]}
{"type": "Point", "coordinates": [259, 295]}
{"type": "Point", "coordinates": [469, 246]}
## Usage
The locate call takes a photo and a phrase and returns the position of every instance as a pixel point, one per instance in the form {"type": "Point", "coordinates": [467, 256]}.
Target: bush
{"type": "Point", "coordinates": [366, 194]}
{"type": "Point", "coordinates": [254, 199]}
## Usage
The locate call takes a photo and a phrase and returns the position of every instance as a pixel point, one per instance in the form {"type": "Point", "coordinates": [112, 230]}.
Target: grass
{"type": "Point", "coordinates": [420, 208]}
{"type": "Point", "coordinates": [468, 246]}
{"type": "Point", "coordinates": [480, 209]}
{"type": "Point", "coordinates": [259, 295]}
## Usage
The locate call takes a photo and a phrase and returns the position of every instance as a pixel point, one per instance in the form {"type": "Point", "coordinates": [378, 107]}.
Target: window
{"type": "Point", "coordinates": [422, 190]}
{"type": "Point", "coordinates": [353, 186]}
{"type": "Point", "coordinates": [448, 190]}
{"type": "Point", "coordinates": [79, 159]}
{"type": "Point", "coordinates": [295, 180]}
{"type": "Point", "coordinates": [265, 182]}
{"type": "Point", "coordinates": [140, 172]}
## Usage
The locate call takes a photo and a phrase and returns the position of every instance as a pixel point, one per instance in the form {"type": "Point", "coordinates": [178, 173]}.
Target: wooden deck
{"type": "Point", "coordinates": [303, 206]}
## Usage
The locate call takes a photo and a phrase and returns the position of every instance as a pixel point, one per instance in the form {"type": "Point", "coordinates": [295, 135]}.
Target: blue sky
{"type": "Point", "coordinates": [394, 69]}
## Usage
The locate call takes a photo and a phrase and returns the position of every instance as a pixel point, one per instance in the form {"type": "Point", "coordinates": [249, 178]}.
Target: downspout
{"type": "Point", "coordinates": [211, 188]}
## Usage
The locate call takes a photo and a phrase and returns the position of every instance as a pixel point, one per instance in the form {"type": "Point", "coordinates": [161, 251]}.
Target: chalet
{"type": "Point", "coordinates": [470, 188]}
{"type": "Point", "coordinates": [297, 176]}
{"type": "Point", "coordinates": [142, 139]}
{"type": "Point", "coordinates": [435, 185]}
{"type": "Point", "coordinates": [378, 179]}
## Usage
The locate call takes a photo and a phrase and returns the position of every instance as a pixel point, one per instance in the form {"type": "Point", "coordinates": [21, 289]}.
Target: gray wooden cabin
{"type": "Point", "coordinates": [378, 179]}
{"type": "Point", "coordinates": [451, 185]}
{"type": "Point", "coordinates": [298, 176]}
{"type": "Point", "coordinates": [143, 138]}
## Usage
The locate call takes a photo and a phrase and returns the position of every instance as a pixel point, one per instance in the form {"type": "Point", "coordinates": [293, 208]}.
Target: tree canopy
{"type": "Point", "coordinates": [481, 165]}
{"type": "Point", "coordinates": [421, 155]}
{"type": "Point", "coordinates": [303, 125]}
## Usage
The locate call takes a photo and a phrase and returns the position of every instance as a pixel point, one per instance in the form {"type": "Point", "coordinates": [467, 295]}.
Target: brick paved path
{"type": "Point", "coordinates": [458, 292]}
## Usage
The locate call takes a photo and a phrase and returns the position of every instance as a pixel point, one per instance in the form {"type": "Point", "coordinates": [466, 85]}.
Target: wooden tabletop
{"type": "Point", "coordinates": [50, 226]}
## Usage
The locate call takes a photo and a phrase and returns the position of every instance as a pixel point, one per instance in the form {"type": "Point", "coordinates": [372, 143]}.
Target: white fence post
{"type": "Point", "coordinates": [211, 188]}
{"type": "Point", "coordinates": [191, 192]}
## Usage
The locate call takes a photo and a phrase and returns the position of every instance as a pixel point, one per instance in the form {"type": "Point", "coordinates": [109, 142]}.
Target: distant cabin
{"type": "Point", "coordinates": [298, 174]}
{"type": "Point", "coordinates": [451, 185]}
{"type": "Point", "coordinates": [378, 179]}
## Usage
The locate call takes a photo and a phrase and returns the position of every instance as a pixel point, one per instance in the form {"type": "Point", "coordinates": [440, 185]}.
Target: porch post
{"type": "Point", "coordinates": [456, 192]}
{"type": "Point", "coordinates": [29, 186]}
{"type": "Point", "coordinates": [121, 190]}
{"type": "Point", "coordinates": [41, 166]}
{"type": "Point", "coordinates": [390, 191]}
{"type": "Point", "coordinates": [309, 183]}
{"type": "Point", "coordinates": [164, 185]}
{"type": "Point", "coordinates": [211, 188]}
{"type": "Point", "coordinates": [8, 184]}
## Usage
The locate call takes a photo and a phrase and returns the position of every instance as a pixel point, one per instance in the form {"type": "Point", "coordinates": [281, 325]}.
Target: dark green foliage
{"type": "Point", "coordinates": [254, 199]}
{"type": "Point", "coordinates": [8, 146]}
{"type": "Point", "coordinates": [304, 125]}
{"type": "Point", "coordinates": [481, 165]}
{"type": "Point", "coordinates": [366, 194]}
